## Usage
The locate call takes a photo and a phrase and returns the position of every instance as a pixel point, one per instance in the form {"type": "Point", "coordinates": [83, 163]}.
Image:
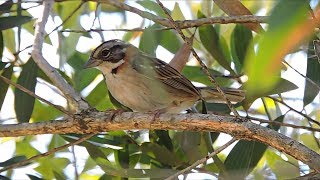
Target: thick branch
{"type": "Point", "coordinates": [73, 98]}
{"type": "Point", "coordinates": [95, 122]}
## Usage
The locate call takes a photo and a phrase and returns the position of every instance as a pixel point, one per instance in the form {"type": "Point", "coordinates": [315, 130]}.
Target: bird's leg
{"type": "Point", "coordinates": [114, 113]}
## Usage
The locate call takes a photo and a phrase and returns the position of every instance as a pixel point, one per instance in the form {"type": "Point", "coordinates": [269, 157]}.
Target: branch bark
{"type": "Point", "coordinates": [96, 122]}
{"type": "Point", "coordinates": [72, 96]}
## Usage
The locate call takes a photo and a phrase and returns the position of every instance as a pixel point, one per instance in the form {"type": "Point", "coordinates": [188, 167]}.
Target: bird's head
{"type": "Point", "coordinates": [109, 54]}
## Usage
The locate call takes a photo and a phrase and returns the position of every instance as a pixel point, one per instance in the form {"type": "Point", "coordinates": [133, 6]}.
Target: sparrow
{"type": "Point", "coordinates": [147, 84]}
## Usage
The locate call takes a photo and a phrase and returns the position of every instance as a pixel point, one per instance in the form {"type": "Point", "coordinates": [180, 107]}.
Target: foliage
{"type": "Point", "coordinates": [232, 53]}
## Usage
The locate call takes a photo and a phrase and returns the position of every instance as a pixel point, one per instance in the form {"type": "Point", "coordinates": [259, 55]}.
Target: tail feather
{"type": "Point", "coordinates": [212, 95]}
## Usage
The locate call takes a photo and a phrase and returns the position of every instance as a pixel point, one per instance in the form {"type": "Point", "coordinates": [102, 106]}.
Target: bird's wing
{"type": "Point", "coordinates": [158, 70]}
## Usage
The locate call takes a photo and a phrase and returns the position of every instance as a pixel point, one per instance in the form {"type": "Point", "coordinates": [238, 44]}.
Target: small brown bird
{"type": "Point", "coordinates": [147, 84]}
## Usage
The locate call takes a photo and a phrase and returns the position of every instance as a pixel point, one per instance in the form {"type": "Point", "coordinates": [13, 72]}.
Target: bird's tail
{"type": "Point", "coordinates": [212, 95]}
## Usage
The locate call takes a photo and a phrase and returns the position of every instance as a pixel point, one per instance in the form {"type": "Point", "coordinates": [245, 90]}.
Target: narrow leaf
{"type": "Point", "coordinates": [210, 40]}
{"type": "Point", "coordinates": [12, 160]}
{"type": "Point", "coordinates": [24, 103]}
{"type": "Point", "coordinates": [13, 21]}
{"type": "Point", "coordinates": [4, 86]}
{"type": "Point", "coordinates": [149, 41]}
{"type": "Point", "coordinates": [313, 72]}
{"type": "Point", "coordinates": [241, 38]}
{"type": "Point", "coordinates": [236, 8]}
{"type": "Point", "coordinates": [6, 6]}
{"type": "Point", "coordinates": [245, 155]}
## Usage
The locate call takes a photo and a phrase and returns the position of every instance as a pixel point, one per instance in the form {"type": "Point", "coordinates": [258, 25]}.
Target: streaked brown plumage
{"type": "Point", "coordinates": [144, 83]}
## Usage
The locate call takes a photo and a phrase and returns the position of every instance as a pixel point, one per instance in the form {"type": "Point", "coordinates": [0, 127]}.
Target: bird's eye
{"type": "Point", "coordinates": [105, 52]}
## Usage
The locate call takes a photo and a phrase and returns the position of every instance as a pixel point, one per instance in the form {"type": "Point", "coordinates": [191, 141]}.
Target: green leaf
{"type": "Point", "coordinates": [274, 45]}
{"type": "Point", "coordinates": [1, 45]}
{"type": "Point", "coordinates": [169, 40]}
{"type": "Point", "coordinates": [240, 43]}
{"type": "Point", "coordinates": [245, 155]}
{"type": "Point", "coordinates": [24, 103]}
{"type": "Point", "coordinates": [313, 72]}
{"type": "Point", "coordinates": [164, 139]}
{"type": "Point", "coordinates": [211, 41]}
{"type": "Point", "coordinates": [32, 177]}
{"type": "Point", "coordinates": [6, 6]}
{"type": "Point", "coordinates": [99, 98]}
{"type": "Point", "coordinates": [13, 21]}
{"type": "Point", "coordinates": [153, 6]}
{"type": "Point", "coordinates": [149, 41]}
{"type": "Point", "coordinates": [44, 112]}
{"type": "Point", "coordinates": [50, 167]}
{"type": "Point", "coordinates": [4, 86]}
{"type": "Point", "coordinates": [122, 157]}
{"type": "Point", "coordinates": [191, 145]}
{"type": "Point", "coordinates": [9, 39]}
{"type": "Point", "coordinates": [65, 10]}
{"type": "Point", "coordinates": [281, 86]}
{"type": "Point", "coordinates": [194, 73]}
{"type": "Point", "coordinates": [13, 160]}
{"type": "Point", "coordinates": [160, 153]}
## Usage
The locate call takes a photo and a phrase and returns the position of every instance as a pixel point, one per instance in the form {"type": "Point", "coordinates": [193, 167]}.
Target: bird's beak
{"type": "Point", "coordinates": [92, 62]}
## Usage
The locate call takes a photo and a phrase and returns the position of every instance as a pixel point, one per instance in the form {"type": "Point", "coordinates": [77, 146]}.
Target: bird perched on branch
{"type": "Point", "coordinates": [147, 84]}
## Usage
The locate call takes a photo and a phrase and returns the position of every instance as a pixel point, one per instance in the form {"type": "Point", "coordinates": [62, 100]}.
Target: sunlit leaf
{"type": "Point", "coordinates": [44, 112]}
{"type": "Point", "coordinates": [24, 103]}
{"type": "Point", "coordinates": [281, 86]}
{"type": "Point", "coordinates": [99, 97]}
{"type": "Point", "coordinates": [13, 21]}
{"type": "Point", "coordinates": [50, 167]}
{"type": "Point", "coordinates": [274, 45]}
{"type": "Point", "coordinates": [152, 6]}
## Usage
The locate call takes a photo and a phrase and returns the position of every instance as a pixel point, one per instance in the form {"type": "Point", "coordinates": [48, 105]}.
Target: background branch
{"type": "Point", "coordinates": [72, 96]}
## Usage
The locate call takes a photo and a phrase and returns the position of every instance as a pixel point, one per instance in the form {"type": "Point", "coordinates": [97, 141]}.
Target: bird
{"type": "Point", "coordinates": [147, 84]}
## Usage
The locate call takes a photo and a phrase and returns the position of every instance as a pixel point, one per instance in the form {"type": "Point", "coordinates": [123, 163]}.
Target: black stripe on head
{"type": "Point", "coordinates": [111, 51]}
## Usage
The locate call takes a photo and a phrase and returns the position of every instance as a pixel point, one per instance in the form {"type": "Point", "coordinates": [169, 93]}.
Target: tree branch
{"type": "Point", "coordinates": [73, 98]}
{"type": "Point", "coordinates": [96, 122]}
{"type": "Point", "coordinates": [187, 23]}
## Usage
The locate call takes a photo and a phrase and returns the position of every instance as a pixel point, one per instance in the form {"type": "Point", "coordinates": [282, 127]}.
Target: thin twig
{"type": "Point", "coordinates": [292, 109]}
{"type": "Point", "coordinates": [24, 162]}
{"type": "Point", "coordinates": [203, 160]}
{"type": "Point", "coordinates": [75, 100]}
{"type": "Point", "coordinates": [8, 81]}
{"type": "Point", "coordinates": [283, 124]}
{"type": "Point", "coordinates": [74, 162]}
{"type": "Point", "coordinates": [308, 79]}
{"type": "Point", "coordinates": [204, 67]}
{"type": "Point", "coordinates": [67, 18]}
